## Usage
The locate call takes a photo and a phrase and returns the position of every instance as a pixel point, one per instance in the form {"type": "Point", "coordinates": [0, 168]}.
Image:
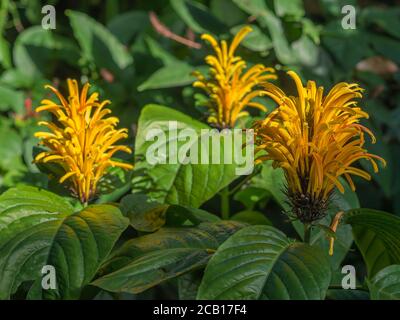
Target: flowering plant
{"type": "Point", "coordinates": [199, 150]}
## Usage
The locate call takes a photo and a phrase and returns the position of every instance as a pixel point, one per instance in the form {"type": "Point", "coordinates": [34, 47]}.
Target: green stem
{"type": "Point", "coordinates": [307, 232]}
{"type": "Point", "coordinates": [225, 203]}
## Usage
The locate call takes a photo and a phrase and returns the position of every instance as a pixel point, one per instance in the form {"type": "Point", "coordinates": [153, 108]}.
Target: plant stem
{"type": "Point", "coordinates": [307, 233]}
{"type": "Point", "coordinates": [225, 203]}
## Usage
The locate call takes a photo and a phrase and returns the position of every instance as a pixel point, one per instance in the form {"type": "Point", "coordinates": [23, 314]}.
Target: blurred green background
{"type": "Point", "coordinates": [128, 50]}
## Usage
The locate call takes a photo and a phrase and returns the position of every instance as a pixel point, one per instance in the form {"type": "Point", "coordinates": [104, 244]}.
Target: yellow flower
{"type": "Point", "coordinates": [82, 140]}
{"type": "Point", "coordinates": [315, 139]}
{"type": "Point", "coordinates": [230, 88]}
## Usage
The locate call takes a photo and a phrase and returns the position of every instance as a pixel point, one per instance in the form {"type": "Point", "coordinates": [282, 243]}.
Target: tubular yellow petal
{"type": "Point", "coordinates": [66, 176]}
{"type": "Point", "coordinates": [52, 158]}
{"type": "Point", "coordinates": [333, 226]}
{"type": "Point", "coordinates": [238, 39]}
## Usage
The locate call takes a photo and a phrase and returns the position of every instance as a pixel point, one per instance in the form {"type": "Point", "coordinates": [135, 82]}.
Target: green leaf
{"type": "Point", "coordinates": [260, 262]}
{"type": "Point", "coordinates": [39, 228]}
{"type": "Point", "coordinates": [5, 58]}
{"type": "Point", "coordinates": [385, 18]}
{"type": "Point", "coordinates": [175, 74]}
{"type": "Point", "coordinates": [16, 79]}
{"type": "Point", "coordinates": [385, 176]}
{"type": "Point", "coordinates": [327, 230]}
{"type": "Point", "coordinates": [377, 235]}
{"type": "Point", "coordinates": [385, 285]}
{"type": "Point", "coordinates": [114, 178]}
{"type": "Point", "coordinates": [137, 21]}
{"type": "Point", "coordinates": [386, 46]}
{"type": "Point", "coordinates": [306, 51]}
{"type": "Point", "coordinates": [28, 219]}
{"type": "Point", "coordinates": [144, 214]}
{"type": "Point", "coordinates": [98, 44]}
{"type": "Point", "coordinates": [159, 52]}
{"type": "Point", "coordinates": [36, 51]}
{"type": "Point", "coordinates": [334, 8]}
{"type": "Point", "coordinates": [251, 217]}
{"type": "Point", "coordinates": [197, 17]}
{"type": "Point", "coordinates": [189, 184]}
{"type": "Point", "coordinates": [268, 20]}
{"type": "Point", "coordinates": [11, 147]}
{"type": "Point", "coordinates": [273, 181]}
{"type": "Point", "coordinates": [250, 196]}
{"type": "Point", "coordinates": [340, 43]}
{"type": "Point", "coordinates": [220, 7]}
{"type": "Point", "coordinates": [81, 244]}
{"type": "Point", "coordinates": [188, 285]}
{"type": "Point", "coordinates": [144, 262]}
{"type": "Point", "coordinates": [148, 215]}
{"type": "Point", "coordinates": [180, 216]}
{"type": "Point", "coordinates": [289, 8]}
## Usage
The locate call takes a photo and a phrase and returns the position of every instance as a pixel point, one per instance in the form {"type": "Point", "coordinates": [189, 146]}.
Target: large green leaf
{"type": "Point", "coordinates": [289, 7]}
{"type": "Point", "coordinates": [144, 214]}
{"type": "Point", "coordinates": [340, 43]}
{"type": "Point", "coordinates": [260, 262]}
{"type": "Point", "coordinates": [251, 217]}
{"type": "Point", "coordinates": [385, 285]}
{"type": "Point", "coordinates": [24, 213]}
{"type": "Point", "coordinates": [38, 228]}
{"type": "Point", "coordinates": [386, 46]}
{"type": "Point", "coordinates": [137, 21]}
{"type": "Point", "coordinates": [98, 44]}
{"type": "Point", "coordinates": [188, 285]}
{"type": "Point", "coordinates": [387, 19]}
{"type": "Point", "coordinates": [148, 215]}
{"type": "Point", "coordinates": [144, 262]}
{"type": "Point", "coordinates": [184, 184]}
{"type": "Point", "coordinates": [219, 8]}
{"type": "Point", "coordinates": [377, 235]}
{"type": "Point", "coordinates": [36, 50]}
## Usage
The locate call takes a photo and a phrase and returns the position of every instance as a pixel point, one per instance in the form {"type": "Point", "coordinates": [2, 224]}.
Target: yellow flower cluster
{"type": "Point", "coordinates": [82, 139]}
{"type": "Point", "coordinates": [315, 139]}
{"type": "Point", "coordinates": [230, 87]}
